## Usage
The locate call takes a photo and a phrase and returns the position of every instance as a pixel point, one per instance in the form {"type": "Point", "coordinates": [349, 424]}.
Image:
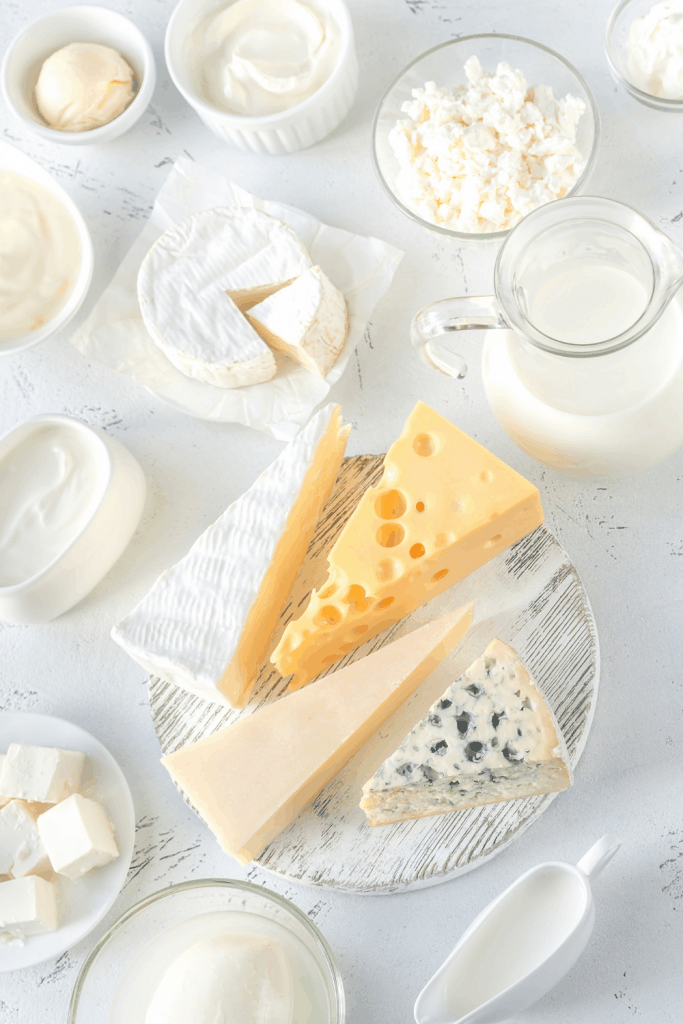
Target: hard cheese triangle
{"type": "Point", "coordinates": [443, 507]}
{"type": "Point", "coordinates": [208, 623]}
{"type": "Point", "coordinates": [250, 780]}
{"type": "Point", "coordinates": [490, 737]}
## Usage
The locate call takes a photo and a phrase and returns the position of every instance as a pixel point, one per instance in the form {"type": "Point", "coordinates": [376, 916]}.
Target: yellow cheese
{"type": "Point", "coordinates": [443, 508]}
{"type": "Point", "coordinates": [251, 779]}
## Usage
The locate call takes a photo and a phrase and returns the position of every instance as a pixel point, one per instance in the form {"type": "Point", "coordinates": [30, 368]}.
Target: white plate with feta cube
{"type": "Point", "coordinates": [83, 901]}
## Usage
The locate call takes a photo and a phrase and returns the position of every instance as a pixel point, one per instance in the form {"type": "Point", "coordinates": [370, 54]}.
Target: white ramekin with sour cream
{"type": "Point", "coordinates": [286, 131]}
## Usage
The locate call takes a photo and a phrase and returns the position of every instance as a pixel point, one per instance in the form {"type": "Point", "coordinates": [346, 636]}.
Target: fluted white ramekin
{"type": "Point", "coordinates": [288, 131]}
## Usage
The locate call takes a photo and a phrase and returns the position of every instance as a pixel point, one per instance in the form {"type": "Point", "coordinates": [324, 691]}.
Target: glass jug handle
{"type": "Point", "coordinates": [467, 313]}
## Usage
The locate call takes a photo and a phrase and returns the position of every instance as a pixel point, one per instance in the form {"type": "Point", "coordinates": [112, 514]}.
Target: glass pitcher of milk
{"type": "Point", "coordinates": [587, 374]}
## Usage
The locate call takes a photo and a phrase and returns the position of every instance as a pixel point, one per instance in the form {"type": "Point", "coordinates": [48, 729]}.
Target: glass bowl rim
{"type": "Point", "coordinates": [205, 883]}
{"type": "Point", "coordinates": [656, 102]}
{"type": "Point", "coordinates": [484, 236]}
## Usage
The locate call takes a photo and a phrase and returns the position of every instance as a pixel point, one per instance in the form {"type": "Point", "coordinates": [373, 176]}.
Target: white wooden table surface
{"type": "Point", "coordinates": [626, 538]}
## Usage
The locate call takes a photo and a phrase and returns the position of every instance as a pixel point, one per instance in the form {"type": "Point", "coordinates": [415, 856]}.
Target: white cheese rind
{"type": "Point", "coordinates": [197, 625]}
{"type": "Point", "coordinates": [77, 836]}
{"type": "Point", "coordinates": [28, 906]}
{"type": "Point", "coordinates": [307, 320]}
{"type": "Point", "coordinates": [490, 737]}
{"type": "Point", "coordinates": [195, 277]}
{"type": "Point", "coordinates": [21, 849]}
{"type": "Point", "coordinates": [40, 774]}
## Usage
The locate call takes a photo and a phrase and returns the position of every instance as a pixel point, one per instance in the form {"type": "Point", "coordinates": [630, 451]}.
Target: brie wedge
{"type": "Point", "coordinates": [208, 623]}
{"type": "Point", "coordinates": [307, 320]}
{"type": "Point", "coordinates": [197, 277]}
{"type": "Point", "coordinates": [491, 737]}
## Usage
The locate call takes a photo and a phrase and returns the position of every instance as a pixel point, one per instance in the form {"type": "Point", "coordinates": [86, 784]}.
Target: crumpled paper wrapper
{"type": "Point", "coordinates": [114, 334]}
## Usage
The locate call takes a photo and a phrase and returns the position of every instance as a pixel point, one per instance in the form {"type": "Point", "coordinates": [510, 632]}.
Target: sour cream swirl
{"type": "Point", "coordinates": [260, 57]}
{"type": "Point", "coordinates": [40, 255]}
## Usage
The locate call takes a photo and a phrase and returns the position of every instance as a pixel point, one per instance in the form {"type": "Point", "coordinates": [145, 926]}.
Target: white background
{"type": "Point", "coordinates": [625, 538]}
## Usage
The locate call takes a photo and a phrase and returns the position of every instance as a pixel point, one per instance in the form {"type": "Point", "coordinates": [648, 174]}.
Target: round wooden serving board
{"type": "Point", "coordinates": [531, 597]}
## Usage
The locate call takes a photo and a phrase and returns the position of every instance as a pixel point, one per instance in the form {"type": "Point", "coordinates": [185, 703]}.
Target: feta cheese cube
{"type": "Point", "coordinates": [77, 836]}
{"type": "Point", "coordinates": [28, 906]}
{"type": "Point", "coordinates": [21, 848]}
{"type": "Point", "coordinates": [43, 774]}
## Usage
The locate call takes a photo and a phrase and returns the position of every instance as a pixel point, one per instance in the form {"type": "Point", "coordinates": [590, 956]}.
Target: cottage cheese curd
{"type": "Point", "coordinates": [260, 57]}
{"type": "Point", "coordinates": [477, 158]}
{"type": "Point", "coordinates": [655, 51]}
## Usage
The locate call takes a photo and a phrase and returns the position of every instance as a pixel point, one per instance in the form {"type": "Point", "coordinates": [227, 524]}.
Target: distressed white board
{"type": "Point", "coordinates": [532, 598]}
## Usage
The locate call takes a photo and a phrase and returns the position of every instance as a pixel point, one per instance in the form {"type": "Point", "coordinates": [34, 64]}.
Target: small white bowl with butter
{"type": "Point", "coordinates": [72, 499]}
{"type": "Point", "coordinates": [270, 76]}
{"type": "Point", "coordinates": [88, 69]}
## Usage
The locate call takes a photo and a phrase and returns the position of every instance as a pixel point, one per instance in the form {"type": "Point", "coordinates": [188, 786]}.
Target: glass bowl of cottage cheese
{"type": "Point", "coordinates": [644, 46]}
{"type": "Point", "coordinates": [479, 131]}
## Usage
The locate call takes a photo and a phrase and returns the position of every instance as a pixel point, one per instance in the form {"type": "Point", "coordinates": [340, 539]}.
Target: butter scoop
{"type": "Point", "coordinates": [83, 86]}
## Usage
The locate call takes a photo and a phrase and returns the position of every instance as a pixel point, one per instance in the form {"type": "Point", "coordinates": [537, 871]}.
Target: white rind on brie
{"type": "Point", "coordinates": [196, 279]}
{"type": "Point", "coordinates": [490, 737]}
{"type": "Point", "coordinates": [307, 320]}
{"type": "Point", "coordinates": [208, 623]}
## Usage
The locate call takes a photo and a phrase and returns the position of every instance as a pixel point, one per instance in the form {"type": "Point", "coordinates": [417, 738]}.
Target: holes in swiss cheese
{"type": "Point", "coordinates": [494, 540]}
{"type": "Point", "coordinates": [328, 592]}
{"type": "Point", "coordinates": [442, 540]}
{"type": "Point", "coordinates": [390, 535]}
{"type": "Point", "coordinates": [426, 445]}
{"type": "Point", "coordinates": [391, 505]}
{"type": "Point", "coordinates": [388, 569]}
{"type": "Point", "coordinates": [420, 507]}
{"type": "Point", "coordinates": [386, 602]}
{"type": "Point", "coordinates": [361, 629]}
{"type": "Point", "coordinates": [417, 551]}
{"type": "Point", "coordinates": [440, 575]}
{"type": "Point", "coordinates": [486, 476]}
{"type": "Point", "coordinates": [356, 596]}
{"type": "Point", "coordinates": [328, 616]}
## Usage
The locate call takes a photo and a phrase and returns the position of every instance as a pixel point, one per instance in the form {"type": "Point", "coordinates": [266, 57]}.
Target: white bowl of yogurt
{"type": "Point", "coordinates": [72, 498]}
{"type": "Point", "coordinates": [270, 76]}
{"type": "Point", "coordinates": [187, 953]}
{"type": "Point", "coordinates": [47, 254]}
{"type": "Point", "coordinates": [82, 24]}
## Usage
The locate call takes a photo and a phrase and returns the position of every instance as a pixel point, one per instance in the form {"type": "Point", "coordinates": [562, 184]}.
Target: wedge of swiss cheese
{"type": "Point", "coordinates": [251, 779]}
{"type": "Point", "coordinates": [208, 623]}
{"type": "Point", "coordinates": [444, 506]}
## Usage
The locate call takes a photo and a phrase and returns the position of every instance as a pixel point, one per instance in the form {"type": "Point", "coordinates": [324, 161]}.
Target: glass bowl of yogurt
{"type": "Point", "coordinates": [206, 950]}
{"type": "Point", "coordinates": [270, 76]}
{"type": "Point", "coordinates": [644, 47]}
{"type": "Point", "coordinates": [442, 131]}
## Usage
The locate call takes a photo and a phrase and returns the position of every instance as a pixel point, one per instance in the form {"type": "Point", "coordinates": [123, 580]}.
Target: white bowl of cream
{"type": "Point", "coordinates": [70, 500]}
{"type": "Point", "coordinates": [46, 255]}
{"type": "Point", "coordinates": [270, 76]}
{"type": "Point", "coordinates": [41, 40]}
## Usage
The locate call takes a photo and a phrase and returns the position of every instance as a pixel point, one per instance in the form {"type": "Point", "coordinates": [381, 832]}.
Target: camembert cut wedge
{"type": "Point", "coordinates": [491, 737]}
{"type": "Point", "coordinates": [251, 779]}
{"type": "Point", "coordinates": [208, 623]}
{"type": "Point", "coordinates": [443, 507]}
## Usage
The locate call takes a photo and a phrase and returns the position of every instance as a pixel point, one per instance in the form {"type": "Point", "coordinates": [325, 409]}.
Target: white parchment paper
{"type": "Point", "coordinates": [114, 334]}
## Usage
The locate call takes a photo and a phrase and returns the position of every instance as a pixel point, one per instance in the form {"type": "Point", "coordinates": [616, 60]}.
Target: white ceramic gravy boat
{"type": "Point", "coordinates": [520, 946]}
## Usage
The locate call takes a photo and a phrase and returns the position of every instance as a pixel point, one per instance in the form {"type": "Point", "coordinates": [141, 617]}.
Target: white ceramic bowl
{"type": "Point", "coordinates": [287, 131]}
{"type": "Point", "coordinates": [618, 27]}
{"type": "Point", "coordinates": [80, 24]}
{"type": "Point", "coordinates": [113, 958]}
{"type": "Point", "coordinates": [12, 159]}
{"type": "Point", "coordinates": [79, 567]}
{"type": "Point", "coordinates": [444, 64]}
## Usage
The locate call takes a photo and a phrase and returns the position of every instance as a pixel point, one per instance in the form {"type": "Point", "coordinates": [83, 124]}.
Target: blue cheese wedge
{"type": "Point", "coordinates": [491, 737]}
{"type": "Point", "coordinates": [207, 624]}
